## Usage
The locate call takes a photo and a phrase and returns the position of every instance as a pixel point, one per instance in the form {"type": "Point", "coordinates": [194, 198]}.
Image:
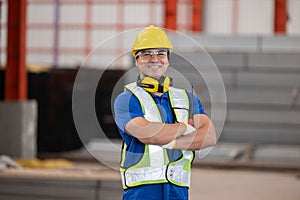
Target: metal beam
{"type": "Point", "coordinates": [280, 16]}
{"type": "Point", "coordinates": [16, 74]}
{"type": "Point", "coordinates": [235, 17]}
{"type": "Point", "coordinates": [197, 15]}
{"type": "Point", "coordinates": [171, 14]}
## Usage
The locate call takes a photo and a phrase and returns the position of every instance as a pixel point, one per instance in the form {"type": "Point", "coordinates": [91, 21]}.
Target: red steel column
{"type": "Point", "coordinates": [235, 17]}
{"type": "Point", "coordinates": [171, 14]}
{"type": "Point", "coordinates": [197, 15]}
{"type": "Point", "coordinates": [280, 16]}
{"type": "Point", "coordinates": [88, 27]}
{"type": "Point", "coordinates": [16, 74]}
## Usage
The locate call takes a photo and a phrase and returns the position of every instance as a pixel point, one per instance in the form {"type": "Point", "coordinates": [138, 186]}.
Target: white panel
{"type": "Point", "coordinates": [100, 60]}
{"type": "Point", "coordinates": [3, 59]}
{"type": "Point", "coordinates": [256, 17]}
{"type": "Point", "coordinates": [127, 62]}
{"type": "Point", "coordinates": [70, 60]}
{"type": "Point", "coordinates": [293, 24]}
{"type": "Point", "coordinates": [71, 38]}
{"type": "Point", "coordinates": [4, 12]}
{"type": "Point", "coordinates": [160, 9]}
{"type": "Point", "coordinates": [104, 13]}
{"type": "Point", "coordinates": [3, 39]}
{"type": "Point", "coordinates": [137, 14]}
{"type": "Point", "coordinates": [42, 59]}
{"type": "Point", "coordinates": [129, 38]}
{"type": "Point", "coordinates": [109, 61]}
{"type": "Point", "coordinates": [218, 16]}
{"type": "Point", "coordinates": [39, 38]}
{"type": "Point", "coordinates": [184, 14]}
{"type": "Point", "coordinates": [121, 62]}
{"type": "Point", "coordinates": [104, 39]}
{"type": "Point", "coordinates": [72, 13]}
{"type": "Point", "coordinates": [40, 13]}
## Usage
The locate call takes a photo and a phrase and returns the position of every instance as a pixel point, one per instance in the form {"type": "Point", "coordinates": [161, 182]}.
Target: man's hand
{"type": "Point", "coordinates": [170, 145]}
{"type": "Point", "coordinates": [189, 130]}
{"type": "Point", "coordinates": [203, 137]}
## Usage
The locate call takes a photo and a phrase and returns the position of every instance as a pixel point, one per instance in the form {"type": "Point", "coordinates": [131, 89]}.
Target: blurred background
{"type": "Point", "coordinates": [254, 44]}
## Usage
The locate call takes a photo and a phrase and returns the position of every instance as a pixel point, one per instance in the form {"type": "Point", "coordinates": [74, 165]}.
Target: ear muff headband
{"type": "Point", "coordinates": [166, 83]}
{"type": "Point", "coordinates": [152, 85]}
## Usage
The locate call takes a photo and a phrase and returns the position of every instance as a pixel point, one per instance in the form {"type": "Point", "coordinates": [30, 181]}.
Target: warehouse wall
{"type": "Point", "coordinates": [64, 34]}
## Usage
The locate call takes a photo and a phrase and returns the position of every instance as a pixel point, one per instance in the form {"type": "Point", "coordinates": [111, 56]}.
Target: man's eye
{"type": "Point", "coordinates": [161, 53]}
{"type": "Point", "coordinates": [146, 54]}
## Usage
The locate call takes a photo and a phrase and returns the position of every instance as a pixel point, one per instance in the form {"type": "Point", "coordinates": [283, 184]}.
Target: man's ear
{"type": "Point", "coordinates": [136, 62]}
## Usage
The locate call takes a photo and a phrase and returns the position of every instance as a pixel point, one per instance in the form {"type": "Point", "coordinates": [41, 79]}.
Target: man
{"type": "Point", "coordinates": [153, 118]}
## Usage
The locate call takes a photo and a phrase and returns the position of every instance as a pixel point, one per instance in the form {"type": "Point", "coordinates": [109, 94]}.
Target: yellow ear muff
{"type": "Point", "coordinates": [149, 84]}
{"type": "Point", "coordinates": [152, 85]}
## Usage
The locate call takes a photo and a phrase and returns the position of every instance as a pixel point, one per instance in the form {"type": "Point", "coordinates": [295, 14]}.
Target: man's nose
{"type": "Point", "coordinates": [154, 58]}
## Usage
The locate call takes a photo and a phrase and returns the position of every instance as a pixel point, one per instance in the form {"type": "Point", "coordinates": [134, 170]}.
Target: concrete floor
{"type": "Point", "coordinates": [83, 182]}
{"type": "Point", "coordinates": [220, 184]}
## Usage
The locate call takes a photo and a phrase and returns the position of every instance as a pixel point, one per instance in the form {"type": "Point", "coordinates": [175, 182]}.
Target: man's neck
{"type": "Point", "coordinates": [158, 94]}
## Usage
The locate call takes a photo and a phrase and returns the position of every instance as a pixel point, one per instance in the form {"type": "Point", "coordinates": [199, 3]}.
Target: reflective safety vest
{"type": "Point", "coordinates": [154, 166]}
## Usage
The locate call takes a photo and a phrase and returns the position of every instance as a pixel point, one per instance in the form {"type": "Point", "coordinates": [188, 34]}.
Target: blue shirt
{"type": "Point", "coordinates": [127, 107]}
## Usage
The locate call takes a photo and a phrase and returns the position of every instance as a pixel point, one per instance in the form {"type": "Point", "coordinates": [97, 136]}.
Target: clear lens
{"type": "Point", "coordinates": [147, 55]}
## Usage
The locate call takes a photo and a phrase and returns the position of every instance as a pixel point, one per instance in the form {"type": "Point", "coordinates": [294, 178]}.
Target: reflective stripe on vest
{"type": "Point", "coordinates": [154, 166]}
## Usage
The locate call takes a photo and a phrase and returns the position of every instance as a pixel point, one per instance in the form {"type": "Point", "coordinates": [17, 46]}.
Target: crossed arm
{"type": "Point", "coordinates": [160, 133]}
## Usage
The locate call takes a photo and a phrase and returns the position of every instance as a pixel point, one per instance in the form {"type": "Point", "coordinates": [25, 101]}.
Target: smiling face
{"type": "Point", "coordinates": [152, 62]}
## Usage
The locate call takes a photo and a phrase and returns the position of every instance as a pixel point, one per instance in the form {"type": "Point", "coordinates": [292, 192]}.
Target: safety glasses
{"type": "Point", "coordinates": [148, 54]}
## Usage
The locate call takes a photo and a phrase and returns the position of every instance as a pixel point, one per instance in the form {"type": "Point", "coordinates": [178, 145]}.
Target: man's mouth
{"type": "Point", "coordinates": [154, 66]}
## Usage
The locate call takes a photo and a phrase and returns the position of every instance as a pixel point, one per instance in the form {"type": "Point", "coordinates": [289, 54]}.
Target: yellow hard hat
{"type": "Point", "coordinates": [151, 37]}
